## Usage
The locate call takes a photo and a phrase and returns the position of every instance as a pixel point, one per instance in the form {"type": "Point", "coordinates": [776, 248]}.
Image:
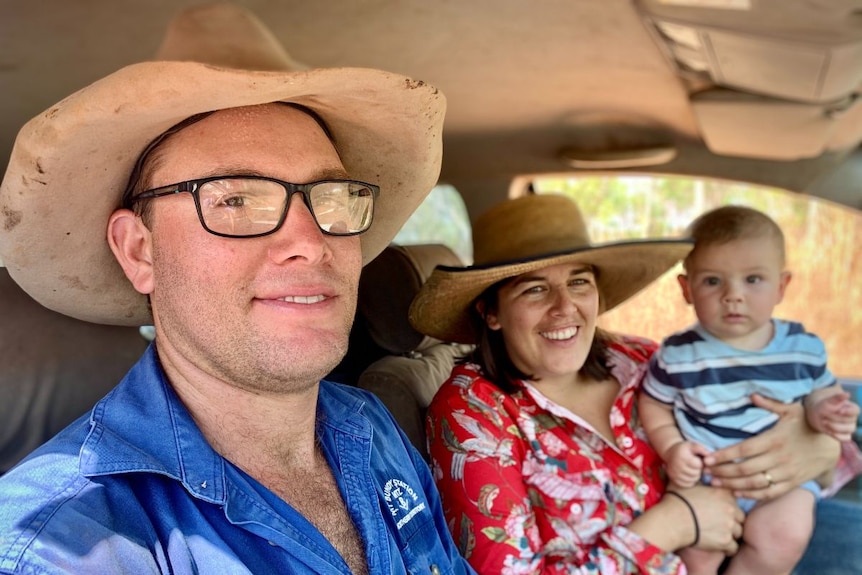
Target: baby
{"type": "Point", "coordinates": [697, 395]}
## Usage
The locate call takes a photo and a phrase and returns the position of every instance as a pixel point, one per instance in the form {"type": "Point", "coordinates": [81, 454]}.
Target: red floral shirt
{"type": "Point", "coordinates": [530, 487]}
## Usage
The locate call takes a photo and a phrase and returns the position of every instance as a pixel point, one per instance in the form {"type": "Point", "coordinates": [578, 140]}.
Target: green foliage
{"type": "Point", "coordinates": [441, 219]}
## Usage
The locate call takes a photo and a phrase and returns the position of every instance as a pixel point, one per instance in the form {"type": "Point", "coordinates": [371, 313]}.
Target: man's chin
{"type": "Point", "coordinates": [315, 361]}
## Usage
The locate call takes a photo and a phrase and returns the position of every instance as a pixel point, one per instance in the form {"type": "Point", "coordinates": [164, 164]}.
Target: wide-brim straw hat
{"type": "Point", "coordinates": [527, 234]}
{"type": "Point", "coordinates": [71, 164]}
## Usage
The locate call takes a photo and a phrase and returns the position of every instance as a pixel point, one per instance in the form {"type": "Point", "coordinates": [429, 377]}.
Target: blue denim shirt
{"type": "Point", "coordinates": [134, 488]}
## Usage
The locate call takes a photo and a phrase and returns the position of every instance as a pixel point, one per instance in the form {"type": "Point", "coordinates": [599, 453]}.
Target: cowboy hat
{"type": "Point", "coordinates": [527, 234]}
{"type": "Point", "coordinates": [71, 164]}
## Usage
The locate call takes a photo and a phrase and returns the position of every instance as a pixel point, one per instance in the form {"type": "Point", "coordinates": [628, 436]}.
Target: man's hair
{"type": "Point", "coordinates": [141, 176]}
{"type": "Point", "coordinates": [491, 355]}
{"type": "Point", "coordinates": [729, 223]}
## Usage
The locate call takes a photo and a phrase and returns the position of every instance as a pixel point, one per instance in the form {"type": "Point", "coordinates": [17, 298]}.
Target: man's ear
{"type": "Point", "coordinates": [785, 278]}
{"type": "Point", "coordinates": [683, 283]}
{"type": "Point", "coordinates": [489, 317]}
{"type": "Point", "coordinates": [131, 243]}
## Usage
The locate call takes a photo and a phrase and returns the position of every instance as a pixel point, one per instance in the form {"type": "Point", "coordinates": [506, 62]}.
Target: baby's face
{"type": "Point", "coordinates": [734, 288]}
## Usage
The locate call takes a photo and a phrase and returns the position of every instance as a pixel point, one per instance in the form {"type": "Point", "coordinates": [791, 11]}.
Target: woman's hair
{"type": "Point", "coordinates": [491, 355]}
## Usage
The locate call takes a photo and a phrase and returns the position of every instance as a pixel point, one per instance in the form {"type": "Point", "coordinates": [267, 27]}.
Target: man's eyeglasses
{"type": "Point", "coordinates": [253, 206]}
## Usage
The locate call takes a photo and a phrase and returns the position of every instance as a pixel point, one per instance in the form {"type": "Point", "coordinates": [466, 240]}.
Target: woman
{"type": "Point", "coordinates": [535, 442]}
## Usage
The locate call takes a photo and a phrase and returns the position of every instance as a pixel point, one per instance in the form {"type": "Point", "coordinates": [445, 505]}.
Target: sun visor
{"type": "Point", "coordinates": [772, 81]}
{"type": "Point", "coordinates": [746, 125]}
{"type": "Point", "coordinates": [801, 65]}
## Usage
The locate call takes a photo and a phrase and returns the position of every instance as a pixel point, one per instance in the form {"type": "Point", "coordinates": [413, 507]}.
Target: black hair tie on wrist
{"type": "Point", "coordinates": [693, 515]}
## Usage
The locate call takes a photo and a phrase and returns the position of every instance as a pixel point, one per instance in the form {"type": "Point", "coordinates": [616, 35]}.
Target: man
{"type": "Point", "coordinates": [242, 231]}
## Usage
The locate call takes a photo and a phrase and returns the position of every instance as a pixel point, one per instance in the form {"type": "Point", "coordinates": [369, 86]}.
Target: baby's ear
{"type": "Point", "coordinates": [683, 283]}
{"type": "Point", "coordinates": [785, 278]}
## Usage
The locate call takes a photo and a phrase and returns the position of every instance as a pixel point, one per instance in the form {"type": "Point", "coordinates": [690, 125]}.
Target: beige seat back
{"type": "Point", "coordinates": [416, 365]}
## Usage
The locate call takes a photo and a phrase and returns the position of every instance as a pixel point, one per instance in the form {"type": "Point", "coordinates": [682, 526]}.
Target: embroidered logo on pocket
{"type": "Point", "coordinates": [402, 500]}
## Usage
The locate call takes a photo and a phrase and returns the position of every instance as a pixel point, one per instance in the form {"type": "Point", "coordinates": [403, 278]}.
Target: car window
{"type": "Point", "coordinates": [441, 219]}
{"type": "Point", "coordinates": [822, 238]}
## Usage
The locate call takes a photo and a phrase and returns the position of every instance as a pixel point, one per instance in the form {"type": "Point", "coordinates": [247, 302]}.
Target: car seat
{"type": "Point", "coordinates": [53, 368]}
{"type": "Point", "coordinates": [416, 365]}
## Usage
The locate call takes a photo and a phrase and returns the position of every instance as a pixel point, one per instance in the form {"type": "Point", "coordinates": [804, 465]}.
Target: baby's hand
{"type": "Point", "coordinates": [685, 462]}
{"type": "Point", "coordinates": [835, 415]}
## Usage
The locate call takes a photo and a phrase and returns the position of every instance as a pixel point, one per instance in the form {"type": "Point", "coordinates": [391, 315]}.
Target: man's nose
{"type": "Point", "coordinates": [299, 235]}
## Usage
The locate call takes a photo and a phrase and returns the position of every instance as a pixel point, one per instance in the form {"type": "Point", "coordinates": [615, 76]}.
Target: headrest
{"type": "Point", "coordinates": [387, 287]}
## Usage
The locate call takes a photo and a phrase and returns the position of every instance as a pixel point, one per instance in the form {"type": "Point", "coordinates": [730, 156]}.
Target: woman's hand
{"type": "Point", "coordinates": [700, 516]}
{"type": "Point", "coordinates": [719, 518]}
{"type": "Point", "coordinates": [777, 460]}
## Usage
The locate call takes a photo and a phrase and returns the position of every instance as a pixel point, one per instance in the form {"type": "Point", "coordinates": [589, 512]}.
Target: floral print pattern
{"type": "Point", "coordinates": [529, 487]}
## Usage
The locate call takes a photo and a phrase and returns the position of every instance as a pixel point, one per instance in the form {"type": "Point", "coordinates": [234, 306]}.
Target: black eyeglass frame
{"type": "Point", "coordinates": [193, 187]}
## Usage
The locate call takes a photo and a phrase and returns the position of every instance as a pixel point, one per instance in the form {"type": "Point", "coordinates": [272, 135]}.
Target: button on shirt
{"type": "Point", "coordinates": [133, 487]}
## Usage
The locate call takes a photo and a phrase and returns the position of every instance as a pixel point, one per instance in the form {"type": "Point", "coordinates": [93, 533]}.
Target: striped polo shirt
{"type": "Point", "coordinates": [709, 383]}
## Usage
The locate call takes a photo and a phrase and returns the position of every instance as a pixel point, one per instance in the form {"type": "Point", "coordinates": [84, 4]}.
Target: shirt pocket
{"type": "Point", "coordinates": [412, 528]}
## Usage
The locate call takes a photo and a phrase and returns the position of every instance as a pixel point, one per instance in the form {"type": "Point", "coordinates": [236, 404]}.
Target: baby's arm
{"type": "Point", "coordinates": [683, 458]}
{"type": "Point", "coordinates": [829, 410]}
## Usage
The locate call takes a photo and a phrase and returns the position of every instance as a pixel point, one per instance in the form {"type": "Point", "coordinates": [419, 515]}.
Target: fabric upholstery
{"type": "Point", "coordinates": [387, 288]}
{"type": "Point", "coordinates": [53, 368]}
{"type": "Point", "coordinates": [407, 383]}
{"type": "Point", "coordinates": [406, 379]}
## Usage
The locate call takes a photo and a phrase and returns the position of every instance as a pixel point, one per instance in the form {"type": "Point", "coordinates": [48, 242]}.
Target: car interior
{"type": "Point", "coordinates": [759, 92]}
{"type": "Point", "coordinates": [413, 365]}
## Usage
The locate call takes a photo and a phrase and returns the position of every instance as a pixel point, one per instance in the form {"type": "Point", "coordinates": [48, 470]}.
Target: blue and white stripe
{"type": "Point", "coordinates": [710, 383]}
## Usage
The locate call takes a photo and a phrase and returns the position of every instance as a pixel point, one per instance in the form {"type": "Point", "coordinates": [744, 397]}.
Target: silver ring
{"type": "Point", "coordinates": [769, 481]}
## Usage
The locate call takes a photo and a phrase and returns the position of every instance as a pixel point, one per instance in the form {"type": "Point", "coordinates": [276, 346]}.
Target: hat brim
{"type": "Point", "coordinates": [442, 307]}
{"type": "Point", "coordinates": [70, 165]}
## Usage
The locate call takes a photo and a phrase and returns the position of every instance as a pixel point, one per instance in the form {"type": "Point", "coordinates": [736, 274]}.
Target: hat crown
{"type": "Point", "coordinates": [529, 227]}
{"type": "Point", "coordinates": [224, 35]}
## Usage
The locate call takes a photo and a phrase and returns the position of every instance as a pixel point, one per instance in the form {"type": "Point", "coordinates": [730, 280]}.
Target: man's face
{"type": "Point", "coordinates": [266, 314]}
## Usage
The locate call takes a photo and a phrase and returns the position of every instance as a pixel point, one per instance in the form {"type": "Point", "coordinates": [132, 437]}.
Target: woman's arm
{"type": "Point", "coordinates": [777, 460]}
{"type": "Point", "coordinates": [715, 520]}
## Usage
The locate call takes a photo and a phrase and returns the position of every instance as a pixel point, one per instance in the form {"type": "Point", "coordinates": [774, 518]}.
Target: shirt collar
{"type": "Point", "coordinates": [342, 411]}
{"type": "Point", "coordinates": [170, 444]}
